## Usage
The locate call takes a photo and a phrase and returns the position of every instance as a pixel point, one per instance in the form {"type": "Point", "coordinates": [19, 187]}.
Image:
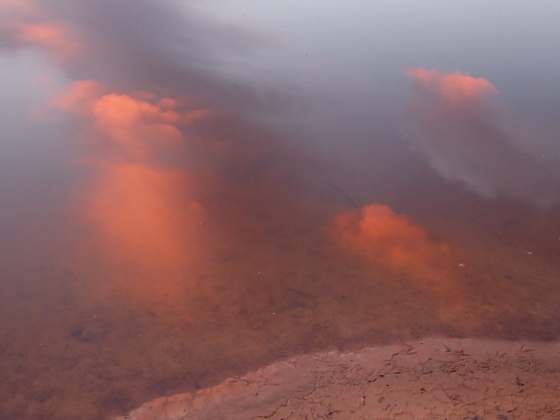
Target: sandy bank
{"type": "Point", "coordinates": [425, 379]}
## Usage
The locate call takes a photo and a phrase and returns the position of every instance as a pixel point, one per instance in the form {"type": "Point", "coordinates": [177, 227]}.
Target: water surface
{"type": "Point", "coordinates": [192, 191]}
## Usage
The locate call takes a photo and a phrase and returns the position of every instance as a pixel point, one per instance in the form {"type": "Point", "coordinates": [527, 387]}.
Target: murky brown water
{"type": "Point", "coordinates": [189, 193]}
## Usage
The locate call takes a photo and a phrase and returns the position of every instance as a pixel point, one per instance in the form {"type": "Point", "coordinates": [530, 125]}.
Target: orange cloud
{"type": "Point", "coordinates": [397, 243]}
{"type": "Point", "coordinates": [138, 204]}
{"type": "Point", "coordinates": [57, 38]}
{"type": "Point", "coordinates": [80, 98]}
{"type": "Point", "coordinates": [455, 86]}
{"type": "Point", "coordinates": [27, 23]}
{"type": "Point", "coordinates": [19, 6]}
{"type": "Point", "coordinates": [144, 216]}
{"type": "Point", "coordinates": [132, 125]}
{"type": "Point", "coordinates": [470, 137]}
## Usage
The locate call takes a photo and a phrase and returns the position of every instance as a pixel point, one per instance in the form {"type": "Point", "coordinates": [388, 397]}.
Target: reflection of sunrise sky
{"type": "Point", "coordinates": [178, 115]}
{"type": "Point", "coordinates": [467, 138]}
{"type": "Point", "coordinates": [344, 174]}
{"type": "Point", "coordinates": [157, 113]}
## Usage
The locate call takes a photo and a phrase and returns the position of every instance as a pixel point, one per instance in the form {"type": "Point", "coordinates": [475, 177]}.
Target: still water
{"type": "Point", "coordinates": [192, 190]}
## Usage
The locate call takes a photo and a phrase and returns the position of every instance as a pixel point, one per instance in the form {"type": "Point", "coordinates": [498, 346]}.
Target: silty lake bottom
{"type": "Point", "coordinates": [191, 193]}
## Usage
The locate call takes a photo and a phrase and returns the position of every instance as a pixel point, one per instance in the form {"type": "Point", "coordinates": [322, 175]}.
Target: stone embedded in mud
{"type": "Point", "coordinates": [92, 332]}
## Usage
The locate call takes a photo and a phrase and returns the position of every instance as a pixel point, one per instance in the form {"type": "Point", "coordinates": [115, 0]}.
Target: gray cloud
{"type": "Point", "coordinates": [146, 44]}
{"type": "Point", "coordinates": [462, 129]}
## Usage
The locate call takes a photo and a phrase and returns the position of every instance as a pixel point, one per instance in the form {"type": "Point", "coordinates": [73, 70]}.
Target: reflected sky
{"type": "Point", "coordinates": [193, 190]}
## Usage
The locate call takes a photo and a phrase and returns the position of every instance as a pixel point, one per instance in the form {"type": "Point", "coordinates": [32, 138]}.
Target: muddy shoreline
{"type": "Point", "coordinates": [433, 378]}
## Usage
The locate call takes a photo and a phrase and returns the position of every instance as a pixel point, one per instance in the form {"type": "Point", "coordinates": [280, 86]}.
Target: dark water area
{"type": "Point", "coordinates": [192, 191]}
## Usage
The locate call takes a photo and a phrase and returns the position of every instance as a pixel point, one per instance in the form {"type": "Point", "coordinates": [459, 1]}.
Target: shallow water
{"type": "Point", "coordinates": [191, 192]}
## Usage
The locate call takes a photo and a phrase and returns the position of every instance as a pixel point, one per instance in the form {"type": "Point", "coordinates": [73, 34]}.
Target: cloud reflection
{"type": "Point", "coordinates": [136, 44]}
{"type": "Point", "coordinates": [47, 35]}
{"type": "Point", "coordinates": [396, 242]}
{"type": "Point", "coordinates": [455, 86]}
{"type": "Point", "coordinates": [28, 24]}
{"type": "Point", "coordinates": [138, 203]}
{"type": "Point", "coordinates": [138, 120]}
{"type": "Point", "coordinates": [462, 129]}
